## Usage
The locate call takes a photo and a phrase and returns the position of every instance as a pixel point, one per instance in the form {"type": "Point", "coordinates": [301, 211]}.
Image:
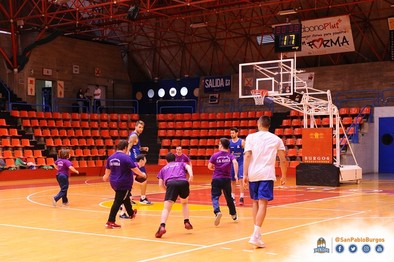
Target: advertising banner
{"type": "Point", "coordinates": [326, 36]}
{"type": "Point", "coordinates": [317, 145]}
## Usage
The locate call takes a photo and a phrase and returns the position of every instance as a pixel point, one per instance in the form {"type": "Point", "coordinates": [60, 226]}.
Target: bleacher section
{"type": "Point", "coordinates": [92, 137]}
{"type": "Point", "coordinates": [199, 133]}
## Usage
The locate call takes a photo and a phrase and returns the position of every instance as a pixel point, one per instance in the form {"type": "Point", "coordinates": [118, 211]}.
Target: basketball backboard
{"type": "Point", "coordinates": [276, 76]}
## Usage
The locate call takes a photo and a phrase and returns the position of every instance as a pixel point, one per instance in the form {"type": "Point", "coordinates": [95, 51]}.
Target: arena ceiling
{"type": "Point", "coordinates": [179, 38]}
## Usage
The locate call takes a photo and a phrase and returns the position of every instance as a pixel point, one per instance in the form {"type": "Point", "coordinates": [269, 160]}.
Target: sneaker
{"type": "Point", "coordinates": [134, 214]}
{"type": "Point", "coordinates": [257, 241]}
{"type": "Point", "coordinates": [65, 204]}
{"type": "Point", "coordinates": [188, 226]}
{"type": "Point", "coordinates": [124, 216]}
{"type": "Point", "coordinates": [145, 201]}
{"type": "Point", "coordinates": [235, 202]}
{"type": "Point", "coordinates": [217, 218]}
{"type": "Point", "coordinates": [241, 201]}
{"type": "Point", "coordinates": [161, 231]}
{"type": "Point", "coordinates": [53, 201]}
{"type": "Point", "coordinates": [111, 225]}
{"type": "Point", "coordinates": [132, 202]}
{"type": "Point", "coordinates": [234, 217]}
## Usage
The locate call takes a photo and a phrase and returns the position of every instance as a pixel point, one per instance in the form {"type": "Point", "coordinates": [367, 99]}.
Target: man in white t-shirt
{"type": "Point", "coordinates": [261, 149]}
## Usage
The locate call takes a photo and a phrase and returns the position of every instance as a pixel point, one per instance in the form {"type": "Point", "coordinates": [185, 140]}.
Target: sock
{"type": "Point", "coordinates": [233, 195]}
{"type": "Point", "coordinates": [186, 220]}
{"type": "Point", "coordinates": [242, 195]}
{"type": "Point", "coordinates": [163, 224]}
{"type": "Point", "coordinates": [256, 231]}
{"type": "Point", "coordinates": [143, 196]}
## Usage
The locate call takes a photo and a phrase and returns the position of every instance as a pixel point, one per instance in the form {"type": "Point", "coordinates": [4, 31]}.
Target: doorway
{"type": "Point", "coordinates": [386, 144]}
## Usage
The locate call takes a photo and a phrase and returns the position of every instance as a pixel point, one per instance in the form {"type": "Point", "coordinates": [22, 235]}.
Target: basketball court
{"type": "Point", "coordinates": [33, 230]}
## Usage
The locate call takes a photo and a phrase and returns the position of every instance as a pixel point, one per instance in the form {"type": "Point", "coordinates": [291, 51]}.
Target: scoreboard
{"type": "Point", "coordinates": [287, 38]}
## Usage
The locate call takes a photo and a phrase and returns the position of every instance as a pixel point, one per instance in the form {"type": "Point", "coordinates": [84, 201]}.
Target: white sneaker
{"type": "Point", "coordinates": [257, 241]}
{"type": "Point", "coordinates": [217, 218]}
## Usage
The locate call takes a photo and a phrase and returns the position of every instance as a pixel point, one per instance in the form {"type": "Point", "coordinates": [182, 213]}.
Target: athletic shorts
{"type": "Point", "coordinates": [177, 188]}
{"type": "Point", "coordinates": [262, 190]}
{"type": "Point", "coordinates": [240, 172]}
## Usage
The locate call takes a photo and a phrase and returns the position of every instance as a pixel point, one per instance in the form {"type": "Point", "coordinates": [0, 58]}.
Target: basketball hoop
{"type": "Point", "coordinates": [258, 96]}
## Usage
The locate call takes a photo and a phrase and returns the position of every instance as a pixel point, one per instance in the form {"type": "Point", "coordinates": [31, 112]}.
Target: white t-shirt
{"type": "Point", "coordinates": [97, 93]}
{"type": "Point", "coordinates": [264, 146]}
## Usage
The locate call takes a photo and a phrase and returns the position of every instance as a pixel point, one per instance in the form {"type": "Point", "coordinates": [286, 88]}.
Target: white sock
{"type": "Point", "coordinates": [256, 231]}
{"type": "Point", "coordinates": [143, 196]}
{"type": "Point", "coordinates": [233, 195]}
{"type": "Point", "coordinates": [242, 195]}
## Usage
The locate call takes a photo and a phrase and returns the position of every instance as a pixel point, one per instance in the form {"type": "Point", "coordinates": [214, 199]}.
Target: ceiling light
{"type": "Point", "coordinates": [199, 25]}
{"type": "Point", "coordinates": [287, 12]}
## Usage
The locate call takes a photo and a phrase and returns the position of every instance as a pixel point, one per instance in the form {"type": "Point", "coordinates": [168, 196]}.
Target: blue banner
{"type": "Point", "coordinates": [217, 84]}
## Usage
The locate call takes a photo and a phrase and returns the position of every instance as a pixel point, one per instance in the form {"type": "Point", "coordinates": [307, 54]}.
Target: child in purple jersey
{"type": "Point", "coordinates": [63, 166]}
{"type": "Point", "coordinates": [119, 170]}
{"type": "Point", "coordinates": [221, 162]}
{"type": "Point", "coordinates": [173, 178]}
{"type": "Point", "coordinates": [181, 157]}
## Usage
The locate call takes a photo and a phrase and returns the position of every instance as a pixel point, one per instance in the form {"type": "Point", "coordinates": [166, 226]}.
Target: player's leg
{"type": "Point", "coordinates": [143, 186]}
{"type": "Point", "coordinates": [216, 192]}
{"type": "Point", "coordinates": [229, 199]}
{"type": "Point", "coordinates": [233, 184]}
{"type": "Point", "coordinates": [169, 199]}
{"type": "Point", "coordinates": [241, 184]}
{"type": "Point", "coordinates": [184, 196]}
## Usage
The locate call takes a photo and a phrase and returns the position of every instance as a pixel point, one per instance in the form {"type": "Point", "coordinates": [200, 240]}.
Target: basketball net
{"type": "Point", "coordinates": [258, 96]}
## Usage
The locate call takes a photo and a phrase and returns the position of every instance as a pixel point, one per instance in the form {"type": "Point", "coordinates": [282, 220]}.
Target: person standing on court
{"type": "Point", "coordinates": [173, 178]}
{"type": "Point", "coordinates": [119, 170]}
{"type": "Point", "coordinates": [181, 157]}
{"type": "Point", "coordinates": [221, 162]}
{"type": "Point", "coordinates": [63, 166]}
{"type": "Point", "coordinates": [141, 161]}
{"type": "Point", "coordinates": [237, 149]}
{"type": "Point", "coordinates": [97, 99]}
{"type": "Point", "coordinates": [261, 149]}
{"type": "Point", "coordinates": [134, 149]}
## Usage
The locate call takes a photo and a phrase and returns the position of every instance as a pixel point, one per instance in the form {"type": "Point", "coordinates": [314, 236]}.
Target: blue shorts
{"type": "Point", "coordinates": [240, 171]}
{"type": "Point", "coordinates": [262, 190]}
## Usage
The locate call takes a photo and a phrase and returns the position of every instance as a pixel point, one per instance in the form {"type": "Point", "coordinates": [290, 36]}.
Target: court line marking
{"type": "Point", "coordinates": [99, 235]}
{"type": "Point", "coordinates": [244, 238]}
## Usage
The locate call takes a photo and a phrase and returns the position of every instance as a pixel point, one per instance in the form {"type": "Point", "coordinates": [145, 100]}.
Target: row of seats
{"type": "Point", "coordinates": [343, 112]}
{"type": "Point", "coordinates": [103, 117]}
{"type": "Point", "coordinates": [207, 124]}
{"type": "Point", "coordinates": [213, 116]}
{"type": "Point", "coordinates": [119, 125]}
{"type": "Point", "coordinates": [178, 133]}
{"type": "Point", "coordinates": [79, 133]}
{"type": "Point", "coordinates": [38, 162]}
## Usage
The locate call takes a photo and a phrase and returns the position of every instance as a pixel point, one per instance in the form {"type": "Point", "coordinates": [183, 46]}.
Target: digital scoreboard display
{"type": "Point", "coordinates": [287, 38]}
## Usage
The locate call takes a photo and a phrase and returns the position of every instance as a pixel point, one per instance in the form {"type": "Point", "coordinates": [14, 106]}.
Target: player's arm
{"type": "Point", "coordinates": [106, 174]}
{"type": "Point", "coordinates": [144, 148]}
{"type": "Point", "coordinates": [161, 183]}
{"type": "Point", "coordinates": [211, 166]}
{"type": "Point", "coordinates": [247, 157]}
{"type": "Point", "coordinates": [132, 141]}
{"type": "Point", "coordinates": [243, 143]}
{"type": "Point", "coordinates": [73, 169]}
{"type": "Point", "coordinates": [235, 166]}
{"type": "Point", "coordinates": [190, 172]}
{"type": "Point", "coordinates": [138, 172]}
{"type": "Point", "coordinates": [283, 165]}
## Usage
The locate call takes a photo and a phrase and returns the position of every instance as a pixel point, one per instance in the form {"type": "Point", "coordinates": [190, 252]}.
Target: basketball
{"type": "Point", "coordinates": [140, 179]}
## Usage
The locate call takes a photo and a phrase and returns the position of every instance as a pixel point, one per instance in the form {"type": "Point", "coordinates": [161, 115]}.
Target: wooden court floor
{"type": "Point", "coordinates": [348, 219]}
